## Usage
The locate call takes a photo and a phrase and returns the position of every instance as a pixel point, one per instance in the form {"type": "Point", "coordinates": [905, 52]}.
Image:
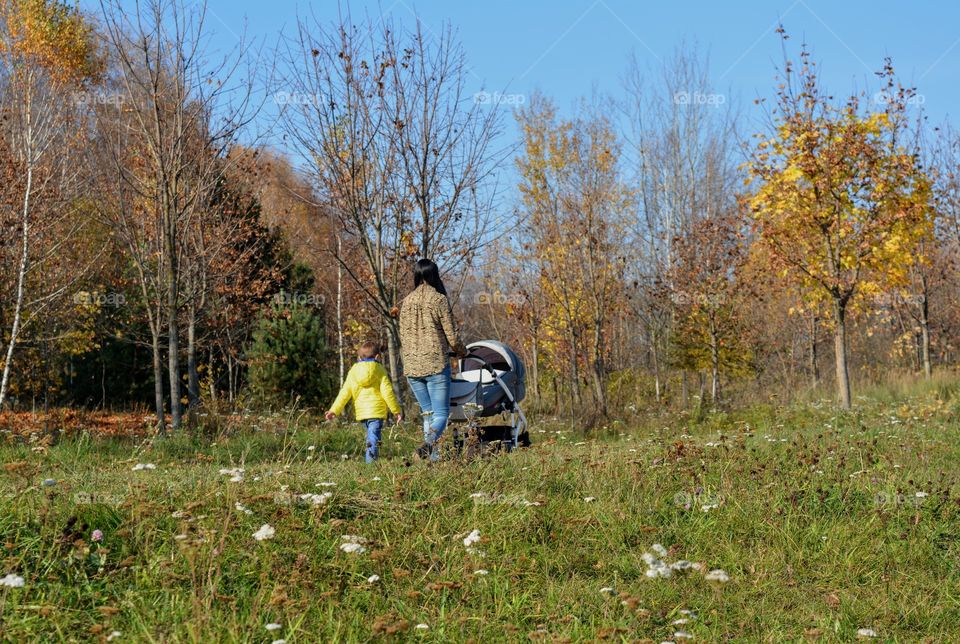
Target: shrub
{"type": "Point", "coordinates": [289, 358]}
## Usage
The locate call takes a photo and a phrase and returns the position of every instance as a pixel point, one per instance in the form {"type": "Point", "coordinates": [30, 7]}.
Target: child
{"type": "Point", "coordinates": [369, 387]}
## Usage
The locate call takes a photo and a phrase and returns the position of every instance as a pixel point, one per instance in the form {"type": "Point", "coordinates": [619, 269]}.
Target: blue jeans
{"type": "Point", "coordinates": [374, 428]}
{"type": "Point", "coordinates": [433, 395]}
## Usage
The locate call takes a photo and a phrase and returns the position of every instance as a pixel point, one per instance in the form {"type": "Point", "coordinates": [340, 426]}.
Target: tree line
{"type": "Point", "coordinates": [189, 231]}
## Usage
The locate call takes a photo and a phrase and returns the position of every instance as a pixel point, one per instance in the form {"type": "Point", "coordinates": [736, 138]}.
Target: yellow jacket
{"type": "Point", "coordinates": [368, 386]}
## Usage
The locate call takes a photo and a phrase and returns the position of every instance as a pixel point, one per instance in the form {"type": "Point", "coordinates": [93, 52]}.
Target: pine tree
{"type": "Point", "coordinates": [289, 358]}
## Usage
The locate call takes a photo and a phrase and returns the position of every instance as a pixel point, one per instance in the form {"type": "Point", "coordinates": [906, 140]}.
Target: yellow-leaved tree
{"type": "Point", "coordinates": [840, 198]}
{"type": "Point", "coordinates": [576, 203]}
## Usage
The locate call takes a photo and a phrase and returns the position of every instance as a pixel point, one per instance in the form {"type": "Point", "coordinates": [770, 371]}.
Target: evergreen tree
{"type": "Point", "coordinates": [289, 357]}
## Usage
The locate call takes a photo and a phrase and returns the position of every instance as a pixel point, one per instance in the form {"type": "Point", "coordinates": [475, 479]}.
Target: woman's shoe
{"type": "Point", "coordinates": [423, 452]}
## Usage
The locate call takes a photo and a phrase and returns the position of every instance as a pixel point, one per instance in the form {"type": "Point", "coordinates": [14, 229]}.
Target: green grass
{"type": "Point", "coordinates": [818, 527]}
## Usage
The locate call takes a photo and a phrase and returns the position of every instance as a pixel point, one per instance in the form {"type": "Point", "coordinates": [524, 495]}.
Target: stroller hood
{"type": "Point", "coordinates": [503, 359]}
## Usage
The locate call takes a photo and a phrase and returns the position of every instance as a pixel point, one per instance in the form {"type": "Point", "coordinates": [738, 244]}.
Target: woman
{"type": "Point", "coordinates": [427, 335]}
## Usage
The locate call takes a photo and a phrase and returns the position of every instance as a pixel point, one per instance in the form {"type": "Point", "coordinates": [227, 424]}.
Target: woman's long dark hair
{"type": "Point", "coordinates": [426, 272]}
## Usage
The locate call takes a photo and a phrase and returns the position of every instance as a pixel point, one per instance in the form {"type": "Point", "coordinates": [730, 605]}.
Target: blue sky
{"type": "Point", "coordinates": [568, 49]}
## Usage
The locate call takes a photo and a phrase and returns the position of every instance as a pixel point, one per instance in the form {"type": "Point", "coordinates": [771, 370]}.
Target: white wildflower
{"type": "Point", "coordinates": [316, 499]}
{"type": "Point", "coordinates": [658, 570]}
{"type": "Point", "coordinates": [589, 499]}
{"type": "Point", "coordinates": [372, 579]}
{"type": "Point", "coordinates": [12, 581]}
{"type": "Point", "coordinates": [866, 632]}
{"type": "Point", "coordinates": [353, 544]}
{"type": "Point", "coordinates": [273, 626]}
{"type": "Point", "coordinates": [113, 635]}
{"type": "Point", "coordinates": [472, 538]}
{"type": "Point", "coordinates": [242, 508]}
{"type": "Point", "coordinates": [682, 635]}
{"type": "Point", "coordinates": [266, 531]}
{"type": "Point", "coordinates": [921, 495]}
{"type": "Point", "coordinates": [144, 466]}
{"type": "Point", "coordinates": [422, 627]}
{"type": "Point", "coordinates": [718, 576]}
{"type": "Point", "coordinates": [607, 590]}
{"type": "Point", "coordinates": [660, 550]}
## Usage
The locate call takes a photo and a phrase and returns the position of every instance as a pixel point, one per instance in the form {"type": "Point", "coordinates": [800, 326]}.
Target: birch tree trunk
{"type": "Point", "coordinates": [840, 347]}
{"type": "Point", "coordinates": [21, 279]}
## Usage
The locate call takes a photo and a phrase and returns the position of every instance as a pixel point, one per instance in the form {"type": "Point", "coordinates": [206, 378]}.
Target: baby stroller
{"type": "Point", "coordinates": [490, 383]}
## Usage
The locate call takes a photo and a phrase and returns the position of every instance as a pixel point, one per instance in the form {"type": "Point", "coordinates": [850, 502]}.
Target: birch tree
{"type": "Point", "coordinates": [47, 53]}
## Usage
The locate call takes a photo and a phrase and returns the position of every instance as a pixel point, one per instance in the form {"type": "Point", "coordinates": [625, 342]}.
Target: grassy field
{"type": "Point", "coordinates": [823, 524]}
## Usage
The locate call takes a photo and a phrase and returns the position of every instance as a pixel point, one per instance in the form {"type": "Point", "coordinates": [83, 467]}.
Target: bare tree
{"type": "Point", "coordinates": [184, 113]}
{"type": "Point", "coordinates": [681, 137]}
{"type": "Point", "coordinates": [397, 151]}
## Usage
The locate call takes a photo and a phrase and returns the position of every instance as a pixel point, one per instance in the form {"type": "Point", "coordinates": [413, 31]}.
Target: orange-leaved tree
{"type": "Point", "coordinates": [708, 294]}
{"type": "Point", "coordinates": [47, 52]}
{"type": "Point", "coordinates": [840, 198]}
